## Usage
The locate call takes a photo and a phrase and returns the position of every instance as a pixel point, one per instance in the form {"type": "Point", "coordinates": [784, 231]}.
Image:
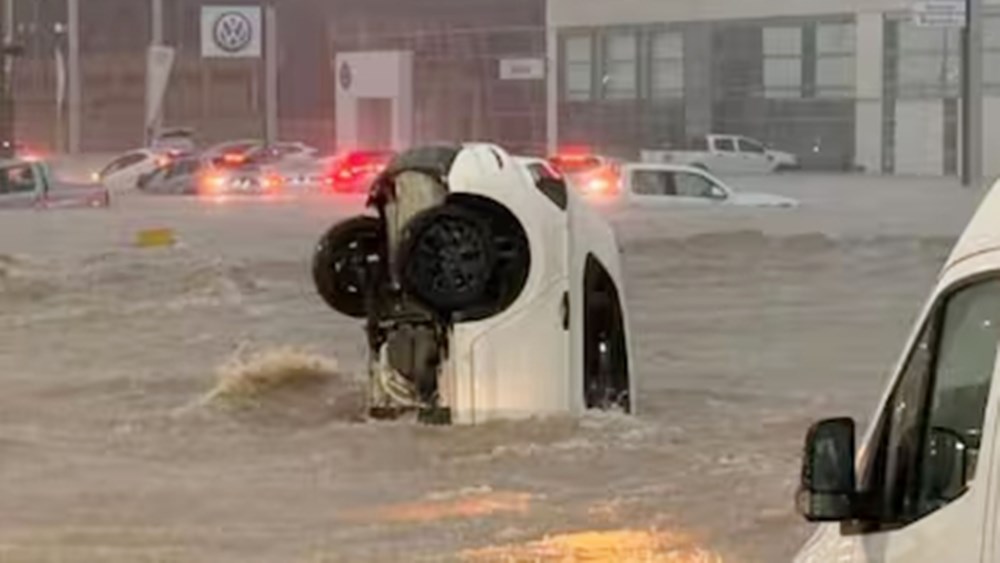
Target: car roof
{"type": "Point", "coordinates": [982, 235]}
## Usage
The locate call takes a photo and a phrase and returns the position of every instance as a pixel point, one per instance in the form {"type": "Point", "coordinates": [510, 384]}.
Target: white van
{"type": "Point", "coordinates": [925, 486]}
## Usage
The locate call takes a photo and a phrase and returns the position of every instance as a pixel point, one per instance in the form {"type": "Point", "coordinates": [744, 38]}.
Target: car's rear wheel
{"type": "Point", "coordinates": [447, 258]}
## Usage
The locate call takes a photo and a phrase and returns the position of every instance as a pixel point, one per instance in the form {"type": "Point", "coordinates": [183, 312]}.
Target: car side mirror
{"type": "Point", "coordinates": [947, 464]}
{"type": "Point", "coordinates": [718, 193]}
{"type": "Point", "coordinates": [828, 487]}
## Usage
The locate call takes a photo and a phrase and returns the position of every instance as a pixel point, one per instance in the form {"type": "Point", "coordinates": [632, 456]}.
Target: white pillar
{"type": "Point", "coordinates": [73, 64]}
{"type": "Point", "coordinates": [156, 22]}
{"type": "Point", "coordinates": [552, 90]}
{"type": "Point", "coordinates": [868, 83]}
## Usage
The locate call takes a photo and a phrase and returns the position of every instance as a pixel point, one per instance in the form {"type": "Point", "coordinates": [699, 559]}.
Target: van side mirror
{"type": "Point", "coordinates": [828, 487]}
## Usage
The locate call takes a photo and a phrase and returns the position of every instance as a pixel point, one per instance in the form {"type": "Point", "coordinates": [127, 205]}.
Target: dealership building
{"type": "Point", "coordinates": [846, 84]}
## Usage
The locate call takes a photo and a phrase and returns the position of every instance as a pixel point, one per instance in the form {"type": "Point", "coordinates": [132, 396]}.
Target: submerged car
{"type": "Point", "coordinates": [486, 292]}
{"type": "Point", "coordinates": [653, 185]}
{"type": "Point", "coordinates": [30, 185]}
{"type": "Point", "coordinates": [179, 177]}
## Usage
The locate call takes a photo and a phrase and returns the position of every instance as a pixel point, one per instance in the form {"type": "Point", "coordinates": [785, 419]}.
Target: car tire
{"type": "Point", "coordinates": [447, 258]}
{"type": "Point", "coordinates": [340, 260]}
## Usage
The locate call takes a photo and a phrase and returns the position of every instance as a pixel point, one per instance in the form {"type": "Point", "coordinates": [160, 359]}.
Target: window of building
{"type": "Point", "coordinates": [620, 67]}
{"type": "Point", "coordinates": [928, 61]}
{"type": "Point", "coordinates": [667, 65]}
{"type": "Point", "coordinates": [991, 53]}
{"type": "Point", "coordinates": [835, 60]}
{"type": "Point", "coordinates": [782, 62]}
{"type": "Point", "coordinates": [579, 68]}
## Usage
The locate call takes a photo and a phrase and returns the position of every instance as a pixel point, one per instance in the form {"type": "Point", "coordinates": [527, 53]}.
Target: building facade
{"type": "Point", "coordinates": [853, 84]}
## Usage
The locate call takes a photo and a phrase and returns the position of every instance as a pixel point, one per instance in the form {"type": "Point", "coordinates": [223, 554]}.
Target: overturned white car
{"type": "Point", "coordinates": [489, 291]}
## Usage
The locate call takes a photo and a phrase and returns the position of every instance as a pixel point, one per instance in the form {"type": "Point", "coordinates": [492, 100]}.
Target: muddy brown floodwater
{"type": "Point", "coordinates": [199, 403]}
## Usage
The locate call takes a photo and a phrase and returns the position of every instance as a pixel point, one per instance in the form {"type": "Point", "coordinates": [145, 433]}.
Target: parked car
{"type": "Point", "coordinates": [354, 172]}
{"type": "Point", "coordinates": [30, 184]}
{"type": "Point", "coordinates": [726, 154]}
{"type": "Point", "coordinates": [592, 174]}
{"type": "Point", "coordinates": [213, 181]}
{"type": "Point", "coordinates": [179, 177]}
{"type": "Point", "coordinates": [231, 154]}
{"type": "Point", "coordinates": [125, 172]}
{"type": "Point", "coordinates": [923, 485]}
{"type": "Point", "coordinates": [296, 164]}
{"type": "Point", "coordinates": [648, 185]}
{"type": "Point", "coordinates": [180, 139]}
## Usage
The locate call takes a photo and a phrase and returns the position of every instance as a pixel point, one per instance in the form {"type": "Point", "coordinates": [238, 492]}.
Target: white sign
{"type": "Point", "coordinates": [231, 31]}
{"type": "Point", "coordinates": [159, 63]}
{"type": "Point", "coordinates": [939, 13]}
{"type": "Point", "coordinates": [522, 69]}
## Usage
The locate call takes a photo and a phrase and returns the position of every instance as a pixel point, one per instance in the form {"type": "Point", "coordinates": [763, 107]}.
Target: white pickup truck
{"type": "Point", "coordinates": [726, 154]}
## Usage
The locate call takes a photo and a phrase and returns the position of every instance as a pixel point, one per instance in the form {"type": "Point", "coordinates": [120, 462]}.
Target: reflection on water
{"type": "Point", "coordinates": [462, 504]}
{"type": "Point", "coordinates": [614, 546]}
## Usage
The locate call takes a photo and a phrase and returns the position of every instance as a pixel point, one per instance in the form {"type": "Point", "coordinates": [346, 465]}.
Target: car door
{"type": "Point", "coordinates": [653, 187]}
{"type": "Point", "coordinates": [925, 469]}
{"type": "Point", "coordinates": [123, 172]}
{"type": "Point", "coordinates": [725, 158]}
{"type": "Point", "coordinates": [19, 187]}
{"type": "Point", "coordinates": [753, 156]}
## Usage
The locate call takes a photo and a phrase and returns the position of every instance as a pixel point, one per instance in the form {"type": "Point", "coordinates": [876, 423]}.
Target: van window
{"type": "Point", "coordinates": [937, 410]}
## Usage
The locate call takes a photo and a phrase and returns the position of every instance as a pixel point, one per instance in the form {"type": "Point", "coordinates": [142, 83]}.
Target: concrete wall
{"type": "Point", "coordinates": [919, 137]}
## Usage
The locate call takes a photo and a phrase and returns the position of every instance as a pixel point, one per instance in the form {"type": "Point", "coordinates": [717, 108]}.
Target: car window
{"type": "Point", "coordinates": [182, 168]}
{"type": "Point", "coordinates": [936, 412]}
{"type": "Point", "coordinates": [725, 145]}
{"type": "Point", "coordinates": [693, 185]}
{"type": "Point", "coordinates": [122, 162]}
{"type": "Point", "coordinates": [746, 145]}
{"type": "Point", "coordinates": [17, 179]}
{"type": "Point", "coordinates": [653, 182]}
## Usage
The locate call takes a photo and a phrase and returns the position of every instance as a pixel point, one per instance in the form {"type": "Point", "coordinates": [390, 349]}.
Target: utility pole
{"type": "Point", "coordinates": [155, 40]}
{"type": "Point", "coordinates": [73, 71]}
{"type": "Point", "coordinates": [7, 82]}
{"type": "Point", "coordinates": [271, 74]}
{"type": "Point", "coordinates": [972, 94]}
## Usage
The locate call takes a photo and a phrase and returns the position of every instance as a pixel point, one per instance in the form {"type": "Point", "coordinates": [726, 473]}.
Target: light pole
{"type": "Point", "coordinates": [972, 94]}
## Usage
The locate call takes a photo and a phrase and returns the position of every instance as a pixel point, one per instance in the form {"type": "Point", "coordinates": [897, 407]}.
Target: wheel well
{"type": "Point", "coordinates": [606, 366]}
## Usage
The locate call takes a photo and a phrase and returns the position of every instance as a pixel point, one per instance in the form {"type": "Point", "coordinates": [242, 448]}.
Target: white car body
{"type": "Point", "coordinates": [671, 185]}
{"type": "Point", "coordinates": [528, 359]}
{"type": "Point", "coordinates": [955, 373]}
{"type": "Point", "coordinates": [728, 154]}
{"type": "Point", "coordinates": [124, 171]}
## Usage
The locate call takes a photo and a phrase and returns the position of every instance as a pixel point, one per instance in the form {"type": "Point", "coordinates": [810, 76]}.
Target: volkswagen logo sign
{"type": "Point", "coordinates": [232, 32]}
{"type": "Point", "coordinates": [346, 76]}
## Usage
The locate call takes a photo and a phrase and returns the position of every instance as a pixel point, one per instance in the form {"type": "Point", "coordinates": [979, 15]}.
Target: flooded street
{"type": "Point", "coordinates": [200, 403]}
